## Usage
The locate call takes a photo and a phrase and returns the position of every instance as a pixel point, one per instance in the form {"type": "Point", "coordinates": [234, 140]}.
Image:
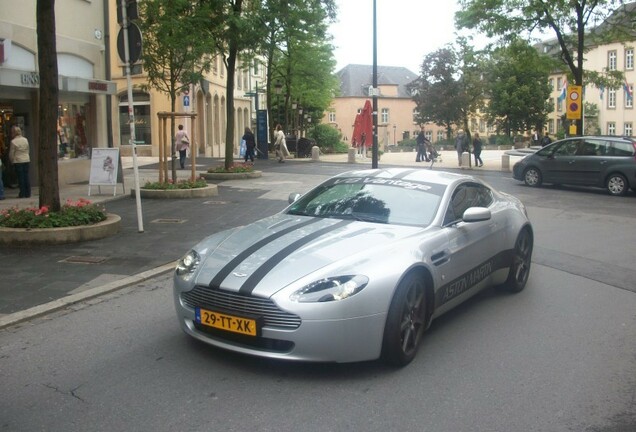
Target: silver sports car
{"type": "Point", "coordinates": [356, 268]}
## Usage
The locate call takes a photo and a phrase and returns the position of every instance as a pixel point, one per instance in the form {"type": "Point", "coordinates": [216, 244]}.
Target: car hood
{"type": "Point", "coordinates": [268, 255]}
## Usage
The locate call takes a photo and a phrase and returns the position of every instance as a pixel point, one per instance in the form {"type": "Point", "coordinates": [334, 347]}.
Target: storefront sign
{"type": "Point", "coordinates": [97, 86]}
{"type": "Point", "coordinates": [30, 79]}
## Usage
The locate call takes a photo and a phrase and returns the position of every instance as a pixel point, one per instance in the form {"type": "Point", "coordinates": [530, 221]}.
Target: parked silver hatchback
{"type": "Point", "coordinates": [600, 161]}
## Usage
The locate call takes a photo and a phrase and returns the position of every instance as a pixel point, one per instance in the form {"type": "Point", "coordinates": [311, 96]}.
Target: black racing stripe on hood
{"type": "Point", "coordinates": [251, 282]}
{"type": "Point", "coordinates": [405, 173]}
{"type": "Point", "coordinates": [227, 269]}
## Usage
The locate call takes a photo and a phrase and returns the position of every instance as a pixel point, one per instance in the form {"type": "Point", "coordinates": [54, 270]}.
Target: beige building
{"type": "Point", "coordinates": [81, 60]}
{"type": "Point", "coordinates": [396, 120]}
{"type": "Point", "coordinates": [616, 114]}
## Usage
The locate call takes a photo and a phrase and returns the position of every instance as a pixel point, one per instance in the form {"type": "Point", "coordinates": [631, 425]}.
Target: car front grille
{"type": "Point", "coordinates": [241, 305]}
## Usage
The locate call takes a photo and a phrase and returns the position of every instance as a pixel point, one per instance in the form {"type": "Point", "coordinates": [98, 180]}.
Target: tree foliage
{"type": "Point", "coordinates": [517, 77]}
{"type": "Point", "coordinates": [176, 49]}
{"type": "Point", "coordinates": [299, 55]}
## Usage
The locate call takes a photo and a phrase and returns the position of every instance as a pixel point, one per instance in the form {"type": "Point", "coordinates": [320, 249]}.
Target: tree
{"type": "Point", "coordinates": [176, 49]}
{"type": "Point", "coordinates": [48, 102]}
{"type": "Point", "coordinates": [235, 27]}
{"type": "Point", "coordinates": [518, 89]}
{"type": "Point", "coordinates": [437, 92]}
{"type": "Point", "coordinates": [299, 54]}
{"type": "Point", "coordinates": [571, 21]}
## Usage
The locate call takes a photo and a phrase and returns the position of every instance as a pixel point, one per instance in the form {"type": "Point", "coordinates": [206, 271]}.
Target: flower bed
{"type": "Point", "coordinates": [76, 221]}
{"type": "Point", "coordinates": [236, 171]}
{"type": "Point", "coordinates": [72, 213]}
{"type": "Point", "coordinates": [198, 188]}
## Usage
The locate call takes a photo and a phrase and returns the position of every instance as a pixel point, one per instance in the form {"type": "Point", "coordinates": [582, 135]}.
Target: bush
{"type": "Point", "coordinates": [73, 213]}
{"type": "Point", "coordinates": [328, 139]}
{"type": "Point", "coordinates": [181, 184]}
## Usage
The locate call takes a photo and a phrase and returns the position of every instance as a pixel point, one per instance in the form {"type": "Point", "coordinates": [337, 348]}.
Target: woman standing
{"type": "Point", "coordinates": [477, 150]}
{"type": "Point", "coordinates": [19, 157]}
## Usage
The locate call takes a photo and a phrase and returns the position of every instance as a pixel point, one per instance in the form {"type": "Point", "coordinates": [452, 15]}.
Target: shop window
{"type": "Point", "coordinates": [141, 110]}
{"type": "Point", "coordinates": [72, 133]}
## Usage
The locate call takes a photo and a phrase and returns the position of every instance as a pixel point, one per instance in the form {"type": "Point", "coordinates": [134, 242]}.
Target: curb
{"type": "Point", "coordinates": [55, 305]}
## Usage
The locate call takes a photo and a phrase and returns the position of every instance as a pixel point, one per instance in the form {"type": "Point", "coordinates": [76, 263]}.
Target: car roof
{"type": "Point", "coordinates": [601, 137]}
{"type": "Point", "coordinates": [443, 178]}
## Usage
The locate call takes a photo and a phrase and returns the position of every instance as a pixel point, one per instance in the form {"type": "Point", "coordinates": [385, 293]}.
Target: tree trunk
{"type": "Point", "coordinates": [229, 132]}
{"type": "Point", "coordinates": [48, 102]}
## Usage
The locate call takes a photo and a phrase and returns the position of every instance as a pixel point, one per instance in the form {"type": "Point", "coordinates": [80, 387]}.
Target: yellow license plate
{"type": "Point", "coordinates": [223, 321]}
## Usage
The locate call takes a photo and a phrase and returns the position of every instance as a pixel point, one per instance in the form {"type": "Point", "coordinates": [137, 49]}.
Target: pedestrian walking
{"type": "Point", "coordinates": [250, 144]}
{"type": "Point", "coordinates": [280, 146]}
{"type": "Point", "coordinates": [546, 140]}
{"type": "Point", "coordinates": [182, 143]}
{"type": "Point", "coordinates": [19, 157]}
{"type": "Point", "coordinates": [477, 145]}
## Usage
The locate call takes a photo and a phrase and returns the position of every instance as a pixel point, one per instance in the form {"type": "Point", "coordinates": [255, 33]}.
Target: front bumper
{"type": "Point", "coordinates": [349, 339]}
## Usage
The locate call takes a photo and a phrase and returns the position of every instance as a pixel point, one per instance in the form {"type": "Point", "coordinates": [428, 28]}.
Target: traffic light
{"type": "Point", "coordinates": [573, 102]}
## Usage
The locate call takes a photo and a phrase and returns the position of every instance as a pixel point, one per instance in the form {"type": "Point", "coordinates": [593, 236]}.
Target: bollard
{"type": "Point", "coordinates": [351, 156]}
{"type": "Point", "coordinates": [315, 153]}
{"type": "Point", "coordinates": [465, 160]}
{"type": "Point", "coordinates": [505, 162]}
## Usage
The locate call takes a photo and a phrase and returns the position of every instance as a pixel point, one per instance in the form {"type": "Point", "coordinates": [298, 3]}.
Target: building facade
{"type": "Point", "coordinates": [396, 108]}
{"type": "Point", "coordinates": [83, 87]}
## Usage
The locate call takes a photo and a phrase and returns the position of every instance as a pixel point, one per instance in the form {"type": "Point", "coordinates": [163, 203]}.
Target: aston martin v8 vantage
{"type": "Point", "coordinates": [355, 269]}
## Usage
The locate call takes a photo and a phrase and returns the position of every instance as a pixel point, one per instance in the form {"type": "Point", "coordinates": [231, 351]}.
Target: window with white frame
{"type": "Point", "coordinates": [629, 58]}
{"type": "Point", "coordinates": [611, 60]}
{"type": "Point", "coordinates": [551, 126]}
{"type": "Point", "coordinates": [415, 116]}
{"type": "Point", "coordinates": [332, 117]}
{"type": "Point", "coordinates": [559, 105]}
{"type": "Point", "coordinates": [611, 128]}
{"type": "Point", "coordinates": [551, 83]}
{"type": "Point", "coordinates": [551, 102]}
{"type": "Point", "coordinates": [611, 98]}
{"type": "Point", "coordinates": [385, 116]}
{"type": "Point", "coordinates": [440, 135]}
{"type": "Point", "coordinates": [629, 100]}
{"type": "Point", "coordinates": [628, 129]}
{"type": "Point", "coordinates": [559, 83]}
{"type": "Point", "coordinates": [428, 135]}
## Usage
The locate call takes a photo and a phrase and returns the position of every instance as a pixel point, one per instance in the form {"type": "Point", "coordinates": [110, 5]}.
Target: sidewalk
{"type": "Point", "coordinates": [40, 279]}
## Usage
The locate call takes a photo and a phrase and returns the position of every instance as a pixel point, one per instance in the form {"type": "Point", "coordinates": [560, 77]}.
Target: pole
{"type": "Point", "coordinates": [374, 150]}
{"type": "Point", "coordinates": [131, 117]}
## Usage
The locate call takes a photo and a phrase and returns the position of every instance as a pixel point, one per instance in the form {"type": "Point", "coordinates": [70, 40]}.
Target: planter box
{"type": "Point", "coordinates": [53, 236]}
{"type": "Point", "coordinates": [208, 191]}
{"type": "Point", "coordinates": [232, 176]}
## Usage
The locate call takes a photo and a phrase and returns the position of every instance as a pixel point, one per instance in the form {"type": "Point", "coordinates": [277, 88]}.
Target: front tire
{"type": "Point", "coordinates": [406, 321]}
{"type": "Point", "coordinates": [617, 184]}
{"type": "Point", "coordinates": [521, 261]}
{"type": "Point", "coordinates": [532, 177]}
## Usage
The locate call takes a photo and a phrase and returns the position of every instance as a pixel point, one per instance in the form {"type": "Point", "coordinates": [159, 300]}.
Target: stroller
{"type": "Point", "coordinates": [432, 153]}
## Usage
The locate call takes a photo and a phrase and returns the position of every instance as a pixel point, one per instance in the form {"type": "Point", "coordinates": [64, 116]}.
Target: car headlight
{"type": "Point", "coordinates": [330, 289]}
{"type": "Point", "coordinates": [188, 264]}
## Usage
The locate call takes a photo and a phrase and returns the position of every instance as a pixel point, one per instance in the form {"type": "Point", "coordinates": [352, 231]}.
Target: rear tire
{"type": "Point", "coordinates": [617, 184]}
{"type": "Point", "coordinates": [405, 322]}
{"type": "Point", "coordinates": [532, 177]}
{"type": "Point", "coordinates": [521, 261]}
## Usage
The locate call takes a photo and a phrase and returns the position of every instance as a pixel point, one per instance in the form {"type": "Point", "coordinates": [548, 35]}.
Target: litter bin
{"type": "Point", "coordinates": [304, 147]}
{"type": "Point", "coordinates": [291, 142]}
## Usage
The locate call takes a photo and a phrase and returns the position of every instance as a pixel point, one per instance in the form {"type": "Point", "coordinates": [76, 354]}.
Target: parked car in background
{"type": "Point", "coordinates": [600, 161]}
{"type": "Point", "coordinates": [356, 268]}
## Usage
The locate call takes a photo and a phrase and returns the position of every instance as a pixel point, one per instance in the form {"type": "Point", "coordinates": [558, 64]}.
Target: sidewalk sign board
{"type": "Point", "coordinates": [105, 169]}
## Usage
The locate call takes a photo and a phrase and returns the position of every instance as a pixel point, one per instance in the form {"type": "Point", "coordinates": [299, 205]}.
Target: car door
{"type": "Point", "coordinates": [561, 166]}
{"type": "Point", "coordinates": [471, 249]}
{"type": "Point", "coordinates": [590, 157]}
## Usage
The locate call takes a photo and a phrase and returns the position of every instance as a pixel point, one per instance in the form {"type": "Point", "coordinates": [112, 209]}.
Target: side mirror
{"type": "Point", "coordinates": [476, 214]}
{"type": "Point", "coordinates": [293, 197]}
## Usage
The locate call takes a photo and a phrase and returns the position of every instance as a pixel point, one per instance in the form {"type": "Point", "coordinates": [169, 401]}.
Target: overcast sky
{"type": "Point", "coordinates": [407, 30]}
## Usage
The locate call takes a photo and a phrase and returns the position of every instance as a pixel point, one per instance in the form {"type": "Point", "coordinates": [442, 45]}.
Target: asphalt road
{"type": "Point", "coordinates": [560, 356]}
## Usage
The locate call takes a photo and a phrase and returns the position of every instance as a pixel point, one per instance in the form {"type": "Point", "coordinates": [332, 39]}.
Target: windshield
{"type": "Point", "coordinates": [372, 200]}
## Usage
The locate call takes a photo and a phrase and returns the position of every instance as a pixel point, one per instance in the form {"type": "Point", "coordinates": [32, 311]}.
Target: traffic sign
{"type": "Point", "coordinates": [134, 43]}
{"type": "Point", "coordinates": [573, 102]}
{"type": "Point", "coordinates": [186, 100]}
